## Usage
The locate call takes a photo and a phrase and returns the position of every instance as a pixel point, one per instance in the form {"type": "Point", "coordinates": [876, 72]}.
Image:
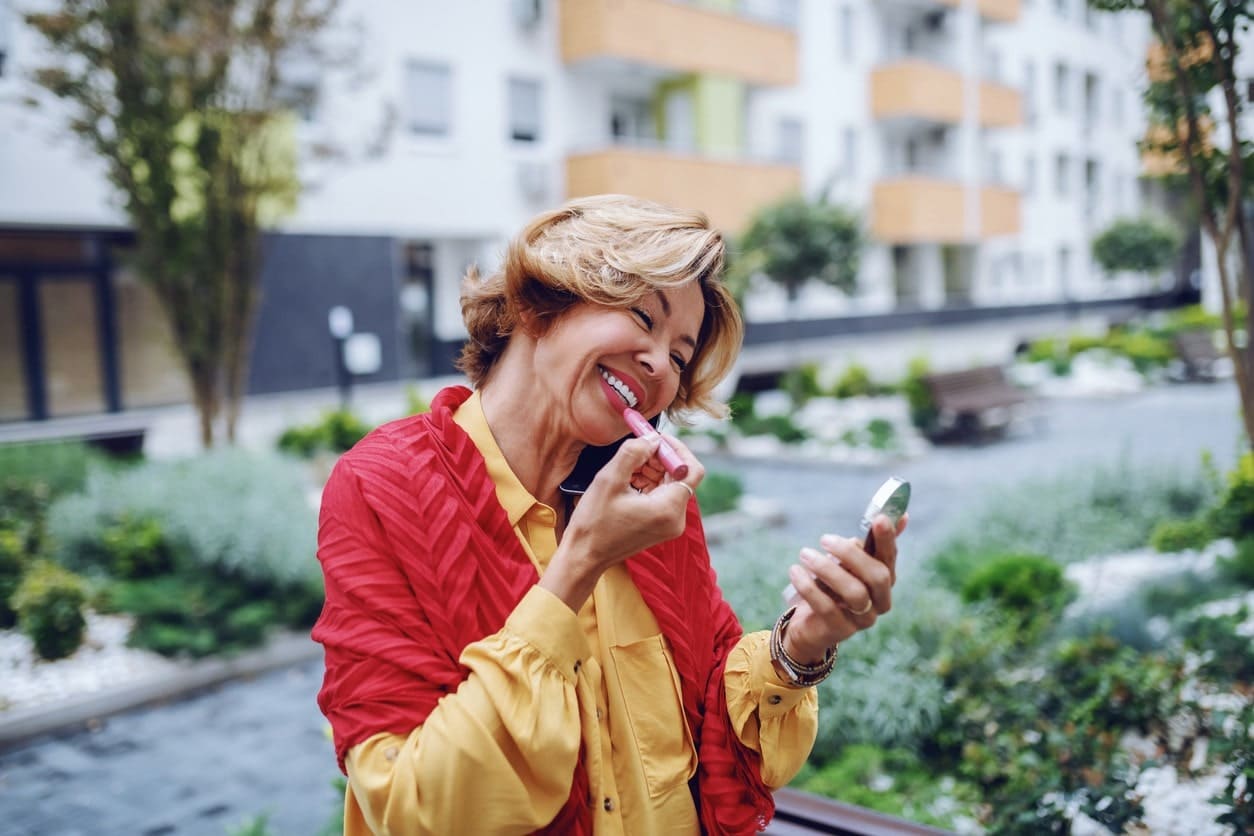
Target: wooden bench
{"type": "Point", "coordinates": [117, 433]}
{"type": "Point", "coordinates": [1198, 356]}
{"type": "Point", "coordinates": [973, 402]}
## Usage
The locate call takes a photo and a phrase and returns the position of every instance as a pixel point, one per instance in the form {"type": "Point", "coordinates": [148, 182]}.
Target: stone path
{"type": "Point", "coordinates": [204, 765]}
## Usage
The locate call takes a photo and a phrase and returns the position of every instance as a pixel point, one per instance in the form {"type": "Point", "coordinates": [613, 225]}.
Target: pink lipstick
{"type": "Point", "coordinates": [643, 429]}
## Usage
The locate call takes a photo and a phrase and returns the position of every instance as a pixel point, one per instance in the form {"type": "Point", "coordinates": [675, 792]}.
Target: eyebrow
{"type": "Point", "coordinates": [666, 309]}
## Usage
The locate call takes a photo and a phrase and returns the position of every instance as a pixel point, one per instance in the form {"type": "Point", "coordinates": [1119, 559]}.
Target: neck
{"type": "Point", "coordinates": [536, 446]}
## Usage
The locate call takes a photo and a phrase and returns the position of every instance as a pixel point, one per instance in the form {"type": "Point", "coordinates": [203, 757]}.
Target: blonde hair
{"type": "Point", "coordinates": [610, 250]}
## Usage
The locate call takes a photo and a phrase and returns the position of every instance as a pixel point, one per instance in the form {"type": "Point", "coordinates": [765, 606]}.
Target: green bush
{"type": "Point", "coordinates": [719, 492]}
{"type": "Point", "coordinates": [336, 432]}
{"type": "Point", "coordinates": [1030, 587]}
{"type": "Point", "coordinates": [801, 383]}
{"type": "Point", "coordinates": [1228, 654]}
{"type": "Point", "coordinates": [1143, 245]}
{"type": "Point", "coordinates": [231, 510]}
{"type": "Point", "coordinates": [1240, 567]}
{"type": "Point", "coordinates": [1234, 516]}
{"type": "Point", "coordinates": [136, 548]}
{"type": "Point", "coordinates": [415, 402]}
{"type": "Point", "coordinates": [780, 426]}
{"type": "Point", "coordinates": [923, 412]}
{"type": "Point", "coordinates": [1146, 351]}
{"type": "Point", "coordinates": [855, 382]}
{"type": "Point", "coordinates": [1182, 535]}
{"type": "Point", "coordinates": [61, 467]}
{"type": "Point", "coordinates": [49, 603]}
{"type": "Point", "coordinates": [12, 563]}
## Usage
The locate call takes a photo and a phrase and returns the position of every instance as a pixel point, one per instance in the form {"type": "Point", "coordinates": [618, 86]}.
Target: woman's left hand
{"type": "Point", "coordinates": [858, 590]}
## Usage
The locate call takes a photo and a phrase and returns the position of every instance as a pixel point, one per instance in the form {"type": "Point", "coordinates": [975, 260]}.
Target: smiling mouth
{"type": "Point", "coordinates": [623, 390]}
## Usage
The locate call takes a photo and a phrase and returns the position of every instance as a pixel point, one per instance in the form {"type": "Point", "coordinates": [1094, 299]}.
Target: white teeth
{"type": "Point", "coordinates": [620, 387]}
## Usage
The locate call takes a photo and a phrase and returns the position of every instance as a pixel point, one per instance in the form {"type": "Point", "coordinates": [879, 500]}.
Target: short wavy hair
{"type": "Point", "coordinates": [610, 250]}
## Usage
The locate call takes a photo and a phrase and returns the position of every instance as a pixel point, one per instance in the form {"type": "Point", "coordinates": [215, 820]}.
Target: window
{"type": "Point", "coordinates": [847, 38]}
{"type": "Point", "coordinates": [524, 110]}
{"type": "Point", "coordinates": [5, 37]}
{"type": "Point", "coordinates": [1062, 175]}
{"type": "Point", "coordinates": [1116, 107]}
{"type": "Point", "coordinates": [1029, 91]}
{"type": "Point", "coordinates": [1062, 83]}
{"type": "Point", "coordinates": [1061, 6]}
{"type": "Point", "coordinates": [1249, 90]}
{"type": "Point", "coordinates": [789, 139]}
{"type": "Point", "coordinates": [1029, 175]}
{"type": "Point", "coordinates": [429, 88]}
{"type": "Point", "coordinates": [851, 151]}
{"type": "Point", "coordinates": [992, 167]}
{"type": "Point", "coordinates": [631, 120]}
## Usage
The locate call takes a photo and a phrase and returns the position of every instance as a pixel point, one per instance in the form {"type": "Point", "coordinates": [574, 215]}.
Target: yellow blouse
{"type": "Point", "coordinates": [495, 757]}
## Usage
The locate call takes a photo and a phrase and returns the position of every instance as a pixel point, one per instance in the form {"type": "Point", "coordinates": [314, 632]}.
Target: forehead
{"type": "Point", "coordinates": [685, 305]}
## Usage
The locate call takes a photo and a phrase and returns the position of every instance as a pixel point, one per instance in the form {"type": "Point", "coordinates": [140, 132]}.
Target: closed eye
{"type": "Point", "coordinates": [680, 362]}
{"type": "Point", "coordinates": [644, 318]}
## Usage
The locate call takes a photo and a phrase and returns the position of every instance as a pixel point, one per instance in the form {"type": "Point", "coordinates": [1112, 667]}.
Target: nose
{"type": "Point", "coordinates": [653, 361]}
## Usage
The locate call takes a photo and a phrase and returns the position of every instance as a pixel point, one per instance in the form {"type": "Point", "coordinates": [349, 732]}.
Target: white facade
{"type": "Point", "coordinates": [454, 81]}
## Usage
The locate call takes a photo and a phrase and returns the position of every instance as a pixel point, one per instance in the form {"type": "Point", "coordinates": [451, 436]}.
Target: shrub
{"type": "Point", "coordinates": [241, 513]}
{"type": "Point", "coordinates": [801, 383]}
{"type": "Point", "coordinates": [1228, 655]}
{"type": "Point", "coordinates": [1143, 245]}
{"type": "Point", "coordinates": [61, 467]}
{"type": "Point", "coordinates": [136, 548]}
{"type": "Point", "coordinates": [1146, 351]}
{"type": "Point", "coordinates": [855, 382]}
{"type": "Point", "coordinates": [12, 561]}
{"type": "Point", "coordinates": [336, 431]}
{"type": "Point", "coordinates": [923, 412]}
{"type": "Point", "coordinates": [719, 492]}
{"type": "Point", "coordinates": [415, 402]}
{"type": "Point", "coordinates": [1234, 517]}
{"type": "Point", "coordinates": [1181, 535]}
{"type": "Point", "coordinates": [1240, 567]}
{"type": "Point", "coordinates": [49, 603]}
{"type": "Point", "coordinates": [1030, 587]}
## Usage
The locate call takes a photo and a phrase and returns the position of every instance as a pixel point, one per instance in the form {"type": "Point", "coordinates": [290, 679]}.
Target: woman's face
{"type": "Point", "coordinates": [595, 360]}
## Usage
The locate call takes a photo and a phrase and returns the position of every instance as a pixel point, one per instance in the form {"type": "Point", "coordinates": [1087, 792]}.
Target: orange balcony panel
{"type": "Point", "coordinates": [1002, 11]}
{"type": "Point", "coordinates": [680, 38]}
{"type": "Point", "coordinates": [916, 89]}
{"type": "Point", "coordinates": [1158, 60]}
{"type": "Point", "coordinates": [918, 210]}
{"type": "Point", "coordinates": [728, 191]}
{"type": "Point", "coordinates": [999, 212]}
{"type": "Point", "coordinates": [1000, 106]}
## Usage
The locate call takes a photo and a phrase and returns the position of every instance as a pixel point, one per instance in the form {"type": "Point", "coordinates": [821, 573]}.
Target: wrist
{"type": "Point", "coordinates": [797, 673]}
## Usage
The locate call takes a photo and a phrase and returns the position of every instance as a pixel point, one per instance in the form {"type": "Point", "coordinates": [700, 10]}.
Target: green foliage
{"type": "Point", "coordinates": [1233, 744]}
{"type": "Point", "coordinates": [1182, 535]}
{"type": "Point", "coordinates": [336, 432]}
{"type": "Point", "coordinates": [415, 402]}
{"type": "Point", "coordinates": [232, 510]}
{"type": "Point", "coordinates": [923, 412]}
{"type": "Point", "coordinates": [1146, 351]}
{"type": "Point", "coordinates": [1234, 516]}
{"type": "Point", "coordinates": [855, 382]}
{"type": "Point", "coordinates": [258, 825]}
{"type": "Point", "coordinates": [801, 383]}
{"type": "Point", "coordinates": [1030, 587]}
{"type": "Point", "coordinates": [59, 467]}
{"type": "Point", "coordinates": [719, 492]}
{"type": "Point", "coordinates": [335, 822]}
{"type": "Point", "coordinates": [1228, 654]}
{"type": "Point", "coordinates": [746, 420]}
{"type": "Point", "coordinates": [794, 241]}
{"type": "Point", "coordinates": [12, 564]}
{"type": "Point", "coordinates": [136, 548]}
{"type": "Point", "coordinates": [891, 781]}
{"type": "Point", "coordinates": [1144, 245]}
{"type": "Point", "coordinates": [49, 604]}
{"type": "Point", "coordinates": [1240, 567]}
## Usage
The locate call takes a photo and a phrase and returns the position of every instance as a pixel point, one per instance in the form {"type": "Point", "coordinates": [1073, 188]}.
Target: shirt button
{"type": "Point", "coordinates": [599, 714]}
{"type": "Point", "coordinates": [608, 805]}
{"type": "Point", "coordinates": [774, 699]}
{"type": "Point", "coordinates": [577, 664]}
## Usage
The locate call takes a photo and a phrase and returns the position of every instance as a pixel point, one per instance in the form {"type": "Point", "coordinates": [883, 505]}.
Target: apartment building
{"type": "Point", "coordinates": [984, 142]}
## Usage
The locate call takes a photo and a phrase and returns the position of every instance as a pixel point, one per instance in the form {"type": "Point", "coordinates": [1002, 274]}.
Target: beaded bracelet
{"type": "Point", "coordinates": [798, 674]}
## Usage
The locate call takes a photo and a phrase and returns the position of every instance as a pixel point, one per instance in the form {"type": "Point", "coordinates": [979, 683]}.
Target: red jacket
{"type": "Point", "coordinates": [420, 560]}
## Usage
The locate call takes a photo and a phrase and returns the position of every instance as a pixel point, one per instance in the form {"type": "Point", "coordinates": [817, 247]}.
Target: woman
{"type": "Point", "coordinates": [506, 656]}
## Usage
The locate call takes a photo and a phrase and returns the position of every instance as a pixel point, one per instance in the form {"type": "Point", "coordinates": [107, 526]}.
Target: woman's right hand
{"type": "Point", "coordinates": [614, 520]}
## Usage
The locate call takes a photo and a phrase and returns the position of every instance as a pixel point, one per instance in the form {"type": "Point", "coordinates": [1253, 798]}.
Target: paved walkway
{"type": "Point", "coordinates": [203, 765]}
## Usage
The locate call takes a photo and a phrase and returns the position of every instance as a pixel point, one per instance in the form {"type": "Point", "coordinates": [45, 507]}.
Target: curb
{"type": "Point", "coordinates": [21, 725]}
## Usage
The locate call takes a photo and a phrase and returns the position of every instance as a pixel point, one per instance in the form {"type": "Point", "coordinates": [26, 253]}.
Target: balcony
{"type": "Point", "coordinates": [1000, 106]}
{"type": "Point", "coordinates": [924, 210]}
{"type": "Point", "coordinates": [1000, 11]}
{"type": "Point", "coordinates": [916, 89]}
{"type": "Point", "coordinates": [679, 38]}
{"type": "Point", "coordinates": [728, 191]}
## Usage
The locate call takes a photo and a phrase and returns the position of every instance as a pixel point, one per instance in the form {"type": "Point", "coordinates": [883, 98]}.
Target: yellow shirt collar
{"type": "Point", "coordinates": [510, 492]}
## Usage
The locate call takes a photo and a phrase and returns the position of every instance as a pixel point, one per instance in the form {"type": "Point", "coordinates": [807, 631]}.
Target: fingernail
{"type": "Point", "coordinates": [809, 557]}
{"type": "Point", "coordinates": [830, 541]}
{"type": "Point", "coordinates": [796, 574]}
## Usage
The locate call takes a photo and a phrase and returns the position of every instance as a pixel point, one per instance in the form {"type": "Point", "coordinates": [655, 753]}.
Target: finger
{"type": "Point", "coordinates": [631, 456]}
{"type": "Point", "coordinates": [864, 578]}
{"type": "Point", "coordinates": [883, 542]}
{"type": "Point", "coordinates": [696, 470]}
{"type": "Point", "coordinates": [810, 590]}
{"type": "Point", "coordinates": [845, 588]}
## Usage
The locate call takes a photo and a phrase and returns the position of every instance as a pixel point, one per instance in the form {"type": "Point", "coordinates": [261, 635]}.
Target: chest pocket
{"type": "Point", "coordinates": [650, 686]}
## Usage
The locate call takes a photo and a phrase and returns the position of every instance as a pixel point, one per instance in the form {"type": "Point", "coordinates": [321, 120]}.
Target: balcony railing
{"type": "Point", "coordinates": [728, 191]}
{"type": "Point", "coordinates": [916, 89]}
{"type": "Point", "coordinates": [679, 38]}
{"type": "Point", "coordinates": [1002, 11]}
{"type": "Point", "coordinates": [1000, 106]}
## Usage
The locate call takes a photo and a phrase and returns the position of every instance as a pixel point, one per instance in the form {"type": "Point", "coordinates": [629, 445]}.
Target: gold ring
{"type": "Point", "coordinates": [688, 488]}
{"type": "Point", "coordinates": [864, 610]}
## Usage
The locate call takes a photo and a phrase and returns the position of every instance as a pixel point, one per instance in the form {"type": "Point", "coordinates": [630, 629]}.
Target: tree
{"type": "Point", "coordinates": [794, 241]}
{"type": "Point", "coordinates": [183, 101]}
{"type": "Point", "coordinates": [1194, 104]}
{"type": "Point", "coordinates": [1143, 245]}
